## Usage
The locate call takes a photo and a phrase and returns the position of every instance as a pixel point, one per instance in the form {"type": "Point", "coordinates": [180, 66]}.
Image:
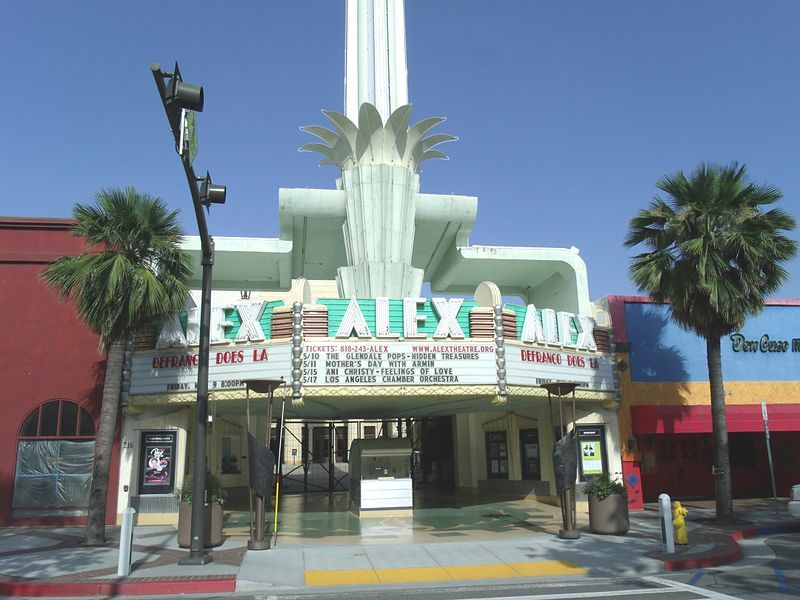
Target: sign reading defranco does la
{"type": "Point", "coordinates": [399, 363]}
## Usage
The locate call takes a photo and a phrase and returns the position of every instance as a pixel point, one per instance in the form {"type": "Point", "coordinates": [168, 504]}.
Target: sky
{"type": "Point", "coordinates": [567, 112]}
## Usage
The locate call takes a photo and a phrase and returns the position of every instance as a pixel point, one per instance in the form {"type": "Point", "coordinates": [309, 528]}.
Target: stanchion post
{"type": "Point", "coordinates": [125, 543]}
{"type": "Point", "coordinates": [665, 516]}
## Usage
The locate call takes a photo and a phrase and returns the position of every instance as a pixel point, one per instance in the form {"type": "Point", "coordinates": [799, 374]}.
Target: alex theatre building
{"type": "Point", "coordinates": [665, 414]}
{"type": "Point", "coordinates": [335, 306]}
{"type": "Point", "coordinates": [427, 369]}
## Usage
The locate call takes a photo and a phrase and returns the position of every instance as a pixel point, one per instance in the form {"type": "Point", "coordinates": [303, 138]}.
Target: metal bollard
{"type": "Point", "coordinates": [125, 543]}
{"type": "Point", "coordinates": [665, 516]}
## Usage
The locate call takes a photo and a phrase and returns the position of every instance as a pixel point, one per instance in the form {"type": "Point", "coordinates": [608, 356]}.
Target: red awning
{"type": "Point", "coordinates": [697, 419]}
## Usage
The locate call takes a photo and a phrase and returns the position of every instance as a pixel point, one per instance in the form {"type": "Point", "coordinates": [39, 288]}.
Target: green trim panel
{"type": "Point", "coordinates": [338, 306]}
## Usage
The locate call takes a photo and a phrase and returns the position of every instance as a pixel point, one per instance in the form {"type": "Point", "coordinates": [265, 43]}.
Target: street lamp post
{"type": "Point", "coordinates": [261, 480]}
{"type": "Point", "coordinates": [179, 100]}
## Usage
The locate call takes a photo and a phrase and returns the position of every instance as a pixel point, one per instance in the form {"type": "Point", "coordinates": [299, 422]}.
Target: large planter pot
{"type": "Point", "coordinates": [610, 515]}
{"type": "Point", "coordinates": [213, 525]}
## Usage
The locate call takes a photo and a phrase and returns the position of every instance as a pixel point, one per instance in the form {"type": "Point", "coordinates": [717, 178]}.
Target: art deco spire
{"type": "Point", "coordinates": [375, 57]}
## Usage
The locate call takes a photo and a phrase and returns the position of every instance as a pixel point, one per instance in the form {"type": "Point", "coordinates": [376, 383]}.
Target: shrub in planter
{"type": "Point", "coordinates": [215, 497]}
{"type": "Point", "coordinates": [608, 505]}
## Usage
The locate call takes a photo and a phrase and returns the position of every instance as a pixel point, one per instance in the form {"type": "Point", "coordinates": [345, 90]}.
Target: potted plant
{"type": "Point", "coordinates": [215, 497]}
{"type": "Point", "coordinates": [608, 505]}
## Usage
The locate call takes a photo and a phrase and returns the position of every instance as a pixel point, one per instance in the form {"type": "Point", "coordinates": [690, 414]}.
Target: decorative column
{"type": "Point", "coordinates": [297, 354]}
{"type": "Point", "coordinates": [500, 356]}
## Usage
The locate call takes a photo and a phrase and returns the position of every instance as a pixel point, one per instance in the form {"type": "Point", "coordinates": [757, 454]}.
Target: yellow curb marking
{"type": "Point", "coordinates": [344, 577]}
{"type": "Point", "coordinates": [408, 575]}
{"type": "Point", "coordinates": [420, 574]}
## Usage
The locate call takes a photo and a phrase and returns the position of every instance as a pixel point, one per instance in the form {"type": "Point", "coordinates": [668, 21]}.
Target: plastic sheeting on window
{"type": "Point", "coordinates": [53, 474]}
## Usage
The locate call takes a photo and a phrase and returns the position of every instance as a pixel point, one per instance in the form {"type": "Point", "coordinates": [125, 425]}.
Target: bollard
{"type": "Point", "coordinates": [679, 523]}
{"type": "Point", "coordinates": [665, 516]}
{"type": "Point", "coordinates": [125, 543]}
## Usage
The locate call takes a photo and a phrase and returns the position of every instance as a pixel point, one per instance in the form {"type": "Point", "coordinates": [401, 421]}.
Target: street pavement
{"type": "Point", "coordinates": [38, 561]}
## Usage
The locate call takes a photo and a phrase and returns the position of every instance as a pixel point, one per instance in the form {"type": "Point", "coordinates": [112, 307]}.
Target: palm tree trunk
{"type": "Point", "coordinates": [719, 423]}
{"type": "Point", "coordinates": [104, 443]}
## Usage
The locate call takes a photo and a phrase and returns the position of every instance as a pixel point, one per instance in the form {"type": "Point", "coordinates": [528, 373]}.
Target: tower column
{"type": "Point", "coordinates": [375, 56]}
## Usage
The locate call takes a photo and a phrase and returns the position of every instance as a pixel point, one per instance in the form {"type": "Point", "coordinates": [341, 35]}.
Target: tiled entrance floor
{"type": "Point", "coordinates": [324, 518]}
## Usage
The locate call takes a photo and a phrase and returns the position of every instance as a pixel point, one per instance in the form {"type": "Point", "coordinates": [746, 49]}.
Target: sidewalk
{"type": "Point", "coordinates": [52, 561]}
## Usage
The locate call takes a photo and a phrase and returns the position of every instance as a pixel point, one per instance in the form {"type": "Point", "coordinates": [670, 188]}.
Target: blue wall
{"type": "Point", "coordinates": [662, 351]}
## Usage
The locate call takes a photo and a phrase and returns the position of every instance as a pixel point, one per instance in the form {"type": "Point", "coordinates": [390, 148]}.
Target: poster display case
{"type": "Point", "coordinates": [157, 462]}
{"type": "Point", "coordinates": [592, 459]}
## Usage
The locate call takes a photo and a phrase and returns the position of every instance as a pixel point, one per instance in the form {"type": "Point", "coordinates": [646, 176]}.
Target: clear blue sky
{"type": "Point", "coordinates": [567, 112]}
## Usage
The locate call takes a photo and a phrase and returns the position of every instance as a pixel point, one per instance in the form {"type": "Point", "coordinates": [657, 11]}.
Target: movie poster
{"type": "Point", "coordinates": [157, 462]}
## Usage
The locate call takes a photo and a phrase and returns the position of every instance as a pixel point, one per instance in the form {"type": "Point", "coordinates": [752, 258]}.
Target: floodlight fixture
{"type": "Point", "coordinates": [183, 95]}
{"type": "Point", "coordinates": [211, 193]}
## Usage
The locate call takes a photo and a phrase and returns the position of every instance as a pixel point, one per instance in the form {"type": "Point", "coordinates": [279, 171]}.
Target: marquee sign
{"type": "Point", "coordinates": [174, 371]}
{"type": "Point", "coordinates": [399, 363]}
{"type": "Point", "coordinates": [535, 366]}
{"type": "Point", "coordinates": [443, 318]}
{"type": "Point", "coordinates": [355, 363]}
{"type": "Point", "coordinates": [377, 342]}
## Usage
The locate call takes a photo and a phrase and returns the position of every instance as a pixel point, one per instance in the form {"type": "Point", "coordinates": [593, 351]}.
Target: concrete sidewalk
{"type": "Point", "coordinates": [53, 562]}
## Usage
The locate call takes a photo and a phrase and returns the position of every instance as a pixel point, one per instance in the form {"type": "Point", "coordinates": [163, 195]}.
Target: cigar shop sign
{"type": "Point", "coordinates": [370, 352]}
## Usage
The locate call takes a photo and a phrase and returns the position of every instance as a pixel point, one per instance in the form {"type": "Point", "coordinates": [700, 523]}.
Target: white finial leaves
{"type": "Point", "coordinates": [373, 142]}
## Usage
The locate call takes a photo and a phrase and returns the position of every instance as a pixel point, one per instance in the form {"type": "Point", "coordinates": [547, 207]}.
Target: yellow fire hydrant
{"type": "Point", "coordinates": [679, 523]}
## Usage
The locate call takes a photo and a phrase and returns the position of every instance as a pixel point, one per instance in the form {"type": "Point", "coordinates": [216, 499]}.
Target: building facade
{"type": "Point", "coordinates": [367, 369]}
{"type": "Point", "coordinates": [665, 411]}
{"type": "Point", "coordinates": [335, 307]}
{"type": "Point", "coordinates": [52, 373]}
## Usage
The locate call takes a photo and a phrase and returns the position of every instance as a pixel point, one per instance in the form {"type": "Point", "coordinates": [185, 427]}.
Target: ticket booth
{"type": "Point", "coordinates": [380, 477]}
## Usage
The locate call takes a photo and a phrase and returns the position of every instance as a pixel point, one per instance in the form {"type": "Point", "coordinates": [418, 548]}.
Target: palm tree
{"type": "Point", "coordinates": [714, 254]}
{"type": "Point", "coordinates": [136, 277]}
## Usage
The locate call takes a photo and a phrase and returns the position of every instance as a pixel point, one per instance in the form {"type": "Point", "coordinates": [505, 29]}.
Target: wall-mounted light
{"type": "Point", "coordinates": [244, 294]}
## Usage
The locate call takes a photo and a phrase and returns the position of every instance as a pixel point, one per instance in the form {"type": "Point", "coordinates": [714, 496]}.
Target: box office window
{"type": "Point", "coordinates": [592, 458]}
{"type": "Point", "coordinates": [157, 462]}
{"type": "Point", "coordinates": [496, 455]}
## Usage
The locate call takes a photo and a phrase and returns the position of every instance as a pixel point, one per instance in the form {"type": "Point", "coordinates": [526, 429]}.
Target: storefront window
{"type": "Point", "coordinates": [743, 452]}
{"type": "Point", "coordinates": [55, 452]}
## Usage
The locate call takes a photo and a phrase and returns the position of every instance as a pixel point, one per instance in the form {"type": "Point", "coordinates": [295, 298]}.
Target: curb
{"type": "Point", "coordinates": [120, 587]}
{"type": "Point", "coordinates": [729, 552]}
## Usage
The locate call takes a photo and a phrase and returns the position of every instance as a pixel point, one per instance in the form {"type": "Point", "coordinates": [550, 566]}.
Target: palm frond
{"type": "Point", "coordinates": [139, 274]}
{"type": "Point", "coordinates": [713, 253]}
